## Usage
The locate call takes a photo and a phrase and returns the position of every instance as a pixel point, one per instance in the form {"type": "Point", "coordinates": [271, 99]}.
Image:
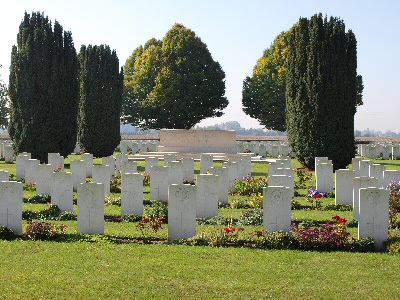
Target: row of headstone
{"type": "Point", "coordinates": [138, 146]}
{"type": "Point", "coordinates": [384, 150]}
{"type": "Point", "coordinates": [281, 173]}
{"type": "Point", "coordinates": [273, 149]}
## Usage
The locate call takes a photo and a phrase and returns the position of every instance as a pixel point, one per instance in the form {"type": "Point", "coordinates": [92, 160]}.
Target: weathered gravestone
{"type": "Point", "coordinates": [233, 175]}
{"type": "Point", "coordinates": [21, 163]}
{"type": "Point", "coordinates": [30, 171]}
{"type": "Point", "coordinates": [181, 211]}
{"type": "Point", "coordinates": [282, 180]}
{"type": "Point", "coordinates": [62, 191]}
{"type": "Point", "coordinates": [323, 175]}
{"type": "Point", "coordinates": [376, 170]}
{"type": "Point", "coordinates": [110, 162]}
{"type": "Point", "coordinates": [132, 194]}
{"type": "Point", "coordinates": [374, 215]}
{"type": "Point", "coordinates": [91, 208]}
{"type": "Point", "coordinates": [119, 159]}
{"type": "Point", "coordinates": [244, 166]}
{"type": "Point", "coordinates": [364, 165]}
{"type": "Point", "coordinates": [4, 176]}
{"type": "Point", "coordinates": [11, 205]}
{"type": "Point", "coordinates": [8, 154]}
{"type": "Point", "coordinates": [56, 160]}
{"type": "Point", "coordinates": [277, 213]}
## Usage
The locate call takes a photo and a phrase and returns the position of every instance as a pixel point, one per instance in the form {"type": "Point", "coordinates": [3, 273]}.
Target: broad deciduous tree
{"type": "Point", "coordinates": [43, 89]}
{"type": "Point", "coordinates": [263, 94]}
{"type": "Point", "coordinates": [173, 83]}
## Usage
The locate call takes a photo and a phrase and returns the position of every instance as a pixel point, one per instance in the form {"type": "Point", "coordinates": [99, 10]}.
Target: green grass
{"type": "Point", "coordinates": [110, 266]}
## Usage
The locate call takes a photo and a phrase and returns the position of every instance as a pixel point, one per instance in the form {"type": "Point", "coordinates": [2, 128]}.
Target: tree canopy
{"type": "Point", "coordinates": [4, 105]}
{"type": "Point", "coordinates": [173, 83]}
{"type": "Point", "coordinates": [263, 94]}
{"type": "Point", "coordinates": [101, 84]}
{"type": "Point", "coordinates": [43, 89]}
{"type": "Point", "coordinates": [322, 90]}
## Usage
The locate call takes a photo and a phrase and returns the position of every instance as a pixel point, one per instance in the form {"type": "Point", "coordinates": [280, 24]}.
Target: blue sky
{"type": "Point", "coordinates": [236, 33]}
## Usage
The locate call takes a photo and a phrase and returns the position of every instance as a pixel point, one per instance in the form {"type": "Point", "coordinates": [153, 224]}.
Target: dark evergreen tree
{"type": "Point", "coordinates": [101, 83]}
{"type": "Point", "coordinates": [322, 91]}
{"type": "Point", "coordinates": [43, 89]}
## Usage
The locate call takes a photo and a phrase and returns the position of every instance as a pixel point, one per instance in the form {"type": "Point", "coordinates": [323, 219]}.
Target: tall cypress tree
{"type": "Point", "coordinates": [101, 84]}
{"type": "Point", "coordinates": [322, 90]}
{"type": "Point", "coordinates": [43, 89]}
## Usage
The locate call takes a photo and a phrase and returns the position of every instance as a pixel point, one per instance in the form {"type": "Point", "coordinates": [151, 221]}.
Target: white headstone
{"type": "Point", "coordinates": [324, 176]}
{"type": "Point", "coordinates": [244, 166]}
{"type": "Point", "coordinates": [364, 165]}
{"type": "Point", "coordinates": [21, 163]}
{"type": "Point", "coordinates": [132, 194]}
{"type": "Point", "coordinates": [78, 171]}
{"type": "Point", "coordinates": [110, 162]}
{"type": "Point", "coordinates": [374, 215]}
{"type": "Point", "coordinates": [43, 179]}
{"type": "Point", "coordinates": [361, 182]}
{"type": "Point", "coordinates": [356, 165]}
{"type": "Point", "coordinates": [11, 205]}
{"type": "Point", "coordinates": [376, 170]}
{"type": "Point", "coordinates": [344, 185]}
{"type": "Point", "coordinates": [232, 172]}
{"type": "Point", "coordinates": [129, 166]}
{"type": "Point", "coordinates": [119, 158]}
{"type": "Point", "coordinates": [91, 208]}
{"type": "Point", "coordinates": [123, 147]}
{"type": "Point", "coordinates": [389, 175]}
{"type": "Point", "coordinates": [282, 180]}
{"type": "Point", "coordinates": [8, 154]}
{"type": "Point", "coordinates": [101, 174]}
{"type": "Point", "coordinates": [207, 196]}
{"type": "Point", "coordinates": [175, 172]}
{"type": "Point", "coordinates": [181, 211]}
{"type": "Point", "coordinates": [223, 183]}
{"type": "Point", "coordinates": [168, 158]}
{"type": "Point", "coordinates": [62, 191]}
{"type": "Point", "coordinates": [277, 214]}
{"type": "Point", "coordinates": [30, 171]}
{"type": "Point", "coordinates": [188, 168]}
{"type": "Point", "coordinates": [56, 160]}
{"type": "Point", "coordinates": [88, 158]}
{"type": "Point", "coordinates": [206, 162]}
{"type": "Point", "coordinates": [4, 176]}
{"type": "Point", "coordinates": [159, 183]}
{"type": "Point", "coordinates": [151, 162]}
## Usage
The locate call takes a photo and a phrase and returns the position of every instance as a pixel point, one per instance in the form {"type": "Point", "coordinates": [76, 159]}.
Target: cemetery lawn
{"type": "Point", "coordinates": [117, 266]}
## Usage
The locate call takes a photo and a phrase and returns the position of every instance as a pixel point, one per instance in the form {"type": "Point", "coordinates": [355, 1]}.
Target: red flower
{"type": "Point", "coordinates": [227, 230]}
{"type": "Point", "coordinates": [342, 221]}
{"type": "Point", "coordinates": [337, 218]}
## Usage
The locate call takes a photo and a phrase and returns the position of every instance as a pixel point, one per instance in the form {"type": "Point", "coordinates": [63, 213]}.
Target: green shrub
{"type": "Point", "coordinates": [251, 217]}
{"type": "Point", "coordinates": [249, 186]}
{"type": "Point", "coordinates": [156, 209]}
{"type": "Point", "coordinates": [6, 233]}
{"type": "Point", "coordinates": [43, 231]}
{"type": "Point", "coordinates": [131, 218]}
{"type": "Point", "coordinates": [39, 199]}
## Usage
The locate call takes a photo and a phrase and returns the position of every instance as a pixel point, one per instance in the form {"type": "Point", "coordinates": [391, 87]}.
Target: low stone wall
{"type": "Point", "coordinates": [197, 141]}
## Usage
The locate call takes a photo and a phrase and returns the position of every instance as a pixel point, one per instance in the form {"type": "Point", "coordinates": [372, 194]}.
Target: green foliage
{"type": "Point", "coordinates": [173, 83]}
{"type": "Point", "coordinates": [156, 209]}
{"type": "Point", "coordinates": [43, 199]}
{"type": "Point", "coordinates": [322, 90]}
{"type": "Point", "coordinates": [4, 105]}
{"type": "Point", "coordinates": [43, 231]}
{"type": "Point", "coordinates": [249, 186]}
{"type": "Point", "coordinates": [394, 203]}
{"type": "Point", "coordinates": [43, 89]}
{"type": "Point", "coordinates": [112, 199]}
{"type": "Point", "coordinates": [131, 218]}
{"type": "Point", "coordinates": [263, 94]}
{"type": "Point", "coordinates": [50, 213]}
{"type": "Point", "coordinates": [6, 233]}
{"type": "Point", "coordinates": [277, 240]}
{"type": "Point", "coordinates": [251, 217]}
{"type": "Point", "coordinates": [304, 178]}
{"type": "Point", "coordinates": [255, 201]}
{"type": "Point", "coordinates": [101, 85]}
